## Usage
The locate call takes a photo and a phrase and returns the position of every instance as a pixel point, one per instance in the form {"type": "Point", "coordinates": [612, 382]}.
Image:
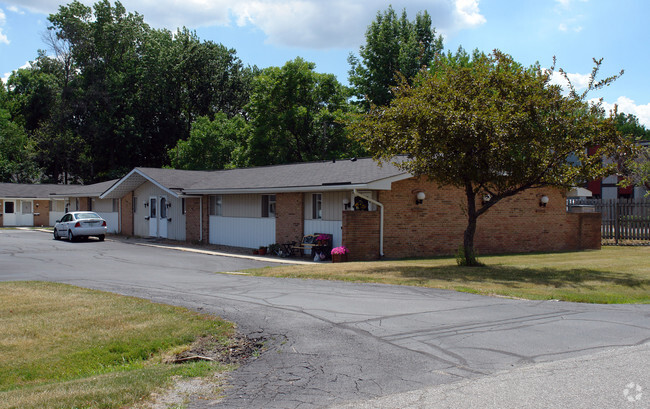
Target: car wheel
{"type": "Point", "coordinates": [56, 235]}
{"type": "Point", "coordinates": [70, 236]}
{"type": "Point", "coordinates": [101, 237]}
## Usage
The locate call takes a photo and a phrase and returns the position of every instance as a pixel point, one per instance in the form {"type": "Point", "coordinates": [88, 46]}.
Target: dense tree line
{"type": "Point", "coordinates": [111, 93]}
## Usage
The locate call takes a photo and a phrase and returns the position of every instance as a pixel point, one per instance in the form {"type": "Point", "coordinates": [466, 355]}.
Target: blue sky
{"type": "Point", "coordinates": [271, 32]}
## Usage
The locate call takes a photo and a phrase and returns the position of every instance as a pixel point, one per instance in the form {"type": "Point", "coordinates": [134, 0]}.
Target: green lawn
{"type": "Point", "coordinates": [610, 275]}
{"type": "Point", "coordinates": [67, 347]}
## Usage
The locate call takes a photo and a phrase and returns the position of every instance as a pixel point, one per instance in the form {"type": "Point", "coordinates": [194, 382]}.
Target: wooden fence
{"type": "Point", "coordinates": [623, 219]}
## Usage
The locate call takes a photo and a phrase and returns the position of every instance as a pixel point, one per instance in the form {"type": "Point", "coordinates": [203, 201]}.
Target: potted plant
{"type": "Point", "coordinates": [340, 254]}
{"type": "Point", "coordinates": [262, 251]}
{"type": "Point", "coordinates": [275, 249]}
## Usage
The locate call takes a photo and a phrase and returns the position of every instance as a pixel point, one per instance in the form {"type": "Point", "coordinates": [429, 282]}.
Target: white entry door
{"type": "Point", "coordinates": [9, 213]}
{"type": "Point", "coordinates": [153, 217]}
{"type": "Point", "coordinates": [162, 219]}
{"type": "Point", "coordinates": [158, 216]}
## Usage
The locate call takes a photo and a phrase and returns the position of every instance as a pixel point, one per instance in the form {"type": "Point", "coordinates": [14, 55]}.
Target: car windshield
{"type": "Point", "coordinates": [89, 215]}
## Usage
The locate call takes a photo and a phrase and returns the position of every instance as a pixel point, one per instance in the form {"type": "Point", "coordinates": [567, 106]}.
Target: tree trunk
{"type": "Point", "coordinates": [468, 237]}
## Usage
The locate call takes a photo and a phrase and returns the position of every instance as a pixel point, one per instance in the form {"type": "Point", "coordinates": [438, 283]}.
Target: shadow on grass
{"type": "Point", "coordinates": [517, 276]}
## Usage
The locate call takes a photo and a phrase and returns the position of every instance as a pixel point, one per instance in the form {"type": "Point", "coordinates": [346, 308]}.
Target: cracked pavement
{"type": "Point", "coordinates": [330, 343]}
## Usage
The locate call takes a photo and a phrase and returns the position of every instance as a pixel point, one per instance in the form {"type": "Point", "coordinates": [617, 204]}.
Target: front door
{"type": "Point", "coordinates": [153, 217]}
{"type": "Point", "coordinates": [9, 213]}
{"type": "Point", "coordinates": [162, 220]}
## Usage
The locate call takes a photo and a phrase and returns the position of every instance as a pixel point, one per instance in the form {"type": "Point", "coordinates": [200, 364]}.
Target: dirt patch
{"type": "Point", "coordinates": [208, 389]}
{"type": "Point", "coordinates": [210, 348]}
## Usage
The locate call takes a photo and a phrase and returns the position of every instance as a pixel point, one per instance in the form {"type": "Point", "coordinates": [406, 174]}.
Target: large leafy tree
{"type": "Point", "coordinates": [629, 125]}
{"type": "Point", "coordinates": [16, 149]}
{"type": "Point", "coordinates": [133, 91]}
{"type": "Point", "coordinates": [394, 45]}
{"type": "Point", "coordinates": [296, 115]}
{"type": "Point", "coordinates": [490, 126]}
{"type": "Point", "coordinates": [212, 144]}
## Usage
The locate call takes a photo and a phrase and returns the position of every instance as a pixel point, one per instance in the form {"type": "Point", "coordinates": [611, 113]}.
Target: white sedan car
{"type": "Point", "coordinates": [75, 225]}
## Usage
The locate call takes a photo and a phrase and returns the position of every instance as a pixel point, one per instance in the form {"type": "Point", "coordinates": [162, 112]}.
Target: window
{"type": "Point", "coordinates": [57, 206]}
{"type": "Point", "coordinates": [163, 207]}
{"type": "Point", "coordinates": [216, 205]}
{"type": "Point", "coordinates": [268, 205]}
{"type": "Point", "coordinates": [26, 206]}
{"type": "Point", "coordinates": [152, 208]}
{"type": "Point", "coordinates": [116, 205]}
{"type": "Point", "coordinates": [317, 206]}
{"type": "Point", "coordinates": [9, 207]}
{"type": "Point", "coordinates": [183, 211]}
{"type": "Point", "coordinates": [135, 204]}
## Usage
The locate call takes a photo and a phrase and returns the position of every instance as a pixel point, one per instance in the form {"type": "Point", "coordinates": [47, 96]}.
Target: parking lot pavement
{"type": "Point", "coordinates": [331, 343]}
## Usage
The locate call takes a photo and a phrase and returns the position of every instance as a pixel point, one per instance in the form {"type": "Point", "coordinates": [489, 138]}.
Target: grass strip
{"type": "Point", "coordinates": [64, 346]}
{"type": "Point", "coordinates": [613, 275]}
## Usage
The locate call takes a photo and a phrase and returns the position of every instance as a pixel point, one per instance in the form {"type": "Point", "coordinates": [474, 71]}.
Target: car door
{"type": "Point", "coordinates": [63, 227]}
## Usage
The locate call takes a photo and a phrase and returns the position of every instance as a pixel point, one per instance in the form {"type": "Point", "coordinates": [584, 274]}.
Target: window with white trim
{"type": "Point", "coordinates": [268, 205]}
{"type": "Point", "coordinates": [216, 205]}
{"type": "Point", "coordinates": [317, 206]}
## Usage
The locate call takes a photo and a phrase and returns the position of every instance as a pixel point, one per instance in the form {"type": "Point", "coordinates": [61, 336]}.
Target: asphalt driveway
{"type": "Point", "coordinates": [329, 342]}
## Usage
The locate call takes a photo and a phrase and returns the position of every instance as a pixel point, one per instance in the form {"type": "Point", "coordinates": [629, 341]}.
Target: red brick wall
{"type": "Point", "coordinates": [289, 217]}
{"type": "Point", "coordinates": [126, 214]}
{"type": "Point", "coordinates": [41, 213]}
{"type": "Point", "coordinates": [84, 203]}
{"type": "Point", "coordinates": [361, 234]}
{"type": "Point", "coordinates": [206, 219]}
{"type": "Point", "coordinates": [588, 234]}
{"type": "Point", "coordinates": [435, 227]}
{"type": "Point", "coordinates": [2, 211]}
{"type": "Point", "coordinates": [192, 219]}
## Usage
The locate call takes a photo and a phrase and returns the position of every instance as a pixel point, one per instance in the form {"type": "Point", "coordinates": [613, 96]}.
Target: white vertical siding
{"type": "Point", "coordinates": [331, 206]}
{"type": "Point", "coordinates": [54, 216]}
{"type": "Point", "coordinates": [242, 205]}
{"type": "Point", "coordinates": [112, 221]}
{"type": "Point", "coordinates": [250, 232]}
{"type": "Point", "coordinates": [175, 227]}
{"type": "Point", "coordinates": [332, 227]}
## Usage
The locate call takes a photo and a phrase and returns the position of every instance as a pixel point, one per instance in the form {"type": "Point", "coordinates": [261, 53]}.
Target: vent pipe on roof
{"type": "Point", "coordinates": [355, 193]}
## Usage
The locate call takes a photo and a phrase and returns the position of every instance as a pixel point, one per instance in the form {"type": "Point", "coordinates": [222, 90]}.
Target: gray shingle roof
{"type": "Point", "coordinates": [44, 191]}
{"type": "Point", "coordinates": [23, 190]}
{"type": "Point", "coordinates": [296, 176]}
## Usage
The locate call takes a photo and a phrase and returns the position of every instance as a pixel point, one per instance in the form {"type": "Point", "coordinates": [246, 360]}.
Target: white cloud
{"type": "Point", "coordinates": [294, 23]}
{"type": "Point", "coordinates": [468, 13]}
{"type": "Point", "coordinates": [628, 106]}
{"type": "Point", "coordinates": [3, 20]}
{"type": "Point", "coordinates": [15, 9]}
{"type": "Point", "coordinates": [6, 75]}
{"type": "Point", "coordinates": [579, 81]}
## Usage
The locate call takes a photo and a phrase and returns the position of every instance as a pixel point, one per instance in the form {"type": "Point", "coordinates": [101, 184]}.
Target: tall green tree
{"type": "Point", "coordinates": [394, 46]}
{"type": "Point", "coordinates": [16, 149]}
{"type": "Point", "coordinates": [629, 125]}
{"type": "Point", "coordinates": [134, 91]}
{"type": "Point", "coordinates": [213, 144]}
{"type": "Point", "coordinates": [297, 115]}
{"type": "Point", "coordinates": [490, 126]}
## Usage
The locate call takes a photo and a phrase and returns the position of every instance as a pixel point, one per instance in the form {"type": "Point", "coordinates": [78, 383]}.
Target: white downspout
{"type": "Point", "coordinates": [355, 193]}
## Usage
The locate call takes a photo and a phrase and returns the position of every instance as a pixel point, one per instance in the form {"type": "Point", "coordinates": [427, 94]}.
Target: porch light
{"type": "Point", "coordinates": [146, 204]}
{"type": "Point", "coordinates": [346, 203]}
{"type": "Point", "coordinates": [543, 201]}
{"type": "Point", "coordinates": [419, 198]}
